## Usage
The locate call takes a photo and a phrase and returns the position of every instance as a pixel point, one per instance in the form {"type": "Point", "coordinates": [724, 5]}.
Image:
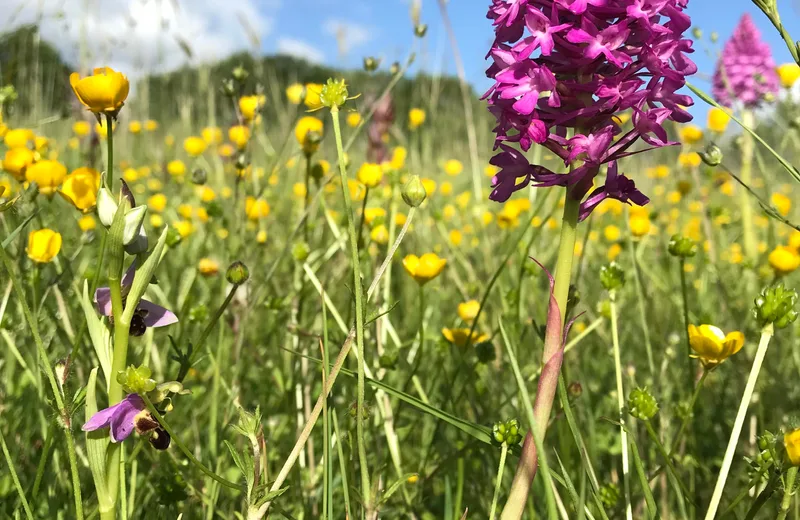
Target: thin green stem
{"type": "Point", "coordinates": [688, 416]}
{"type": "Point", "coordinates": [746, 174]}
{"type": "Point", "coordinates": [186, 451]}
{"type": "Point", "coordinates": [362, 452]}
{"type": "Point", "coordinates": [685, 300]}
{"type": "Point", "coordinates": [110, 157]}
{"type": "Point", "coordinates": [641, 304]}
{"type": "Point", "coordinates": [621, 407]}
{"type": "Point", "coordinates": [51, 378]}
{"type": "Point", "coordinates": [12, 470]}
{"type": "Point", "coordinates": [788, 493]}
{"type": "Point", "coordinates": [763, 344]}
{"type": "Point", "coordinates": [499, 482]}
{"type": "Point", "coordinates": [671, 472]}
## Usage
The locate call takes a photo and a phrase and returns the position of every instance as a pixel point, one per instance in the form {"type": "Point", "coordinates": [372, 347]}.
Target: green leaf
{"type": "Point", "coordinates": [96, 448]}
{"type": "Point", "coordinates": [245, 464]}
{"type": "Point", "coordinates": [268, 497]}
{"type": "Point", "coordinates": [377, 313]}
{"type": "Point", "coordinates": [394, 487]}
{"type": "Point", "coordinates": [11, 236]}
{"type": "Point", "coordinates": [98, 333]}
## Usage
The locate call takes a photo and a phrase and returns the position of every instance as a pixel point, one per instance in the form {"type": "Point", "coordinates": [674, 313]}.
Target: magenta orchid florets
{"type": "Point", "coordinates": [746, 71]}
{"type": "Point", "coordinates": [576, 64]}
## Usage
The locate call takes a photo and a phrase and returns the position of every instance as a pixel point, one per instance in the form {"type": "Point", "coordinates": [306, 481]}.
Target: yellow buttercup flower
{"type": "Point", "coordinates": [105, 91]}
{"type": "Point", "coordinates": [206, 193]}
{"type": "Point", "coordinates": [208, 267]}
{"type": "Point", "coordinates": [150, 125]}
{"type": "Point", "coordinates": [261, 236]}
{"type": "Point", "coordinates": [48, 175]}
{"type": "Point", "coordinates": [295, 93]}
{"type": "Point", "coordinates": [398, 161]}
{"type": "Point", "coordinates": [184, 228]}
{"type": "Point", "coordinates": [357, 190]}
{"type": "Point", "coordinates": [689, 160]}
{"type": "Point", "coordinates": [718, 120]}
{"type": "Point", "coordinates": [81, 128]}
{"type": "Point", "coordinates": [791, 441]}
{"type": "Point", "coordinates": [370, 174]}
{"type": "Point", "coordinates": [101, 128]}
{"type": "Point", "coordinates": [691, 134]}
{"type": "Point", "coordinates": [308, 132]}
{"type": "Point", "coordinates": [87, 223]}
{"type": "Point", "coordinates": [613, 251]}
{"type": "Point", "coordinates": [453, 167]}
{"type": "Point", "coordinates": [16, 161]}
{"type": "Point", "coordinates": [446, 188]}
{"type": "Point", "coordinates": [43, 245]}
{"type": "Point", "coordinates": [80, 188]}
{"type": "Point", "coordinates": [256, 209]}
{"type": "Point", "coordinates": [462, 337]}
{"type": "Point", "coordinates": [211, 135]}
{"type": "Point", "coordinates": [239, 135]}
{"type": "Point", "coordinates": [18, 138]}
{"type": "Point", "coordinates": [712, 346]}
{"type": "Point", "coordinates": [639, 224]}
{"type": "Point", "coordinates": [185, 211]}
{"type": "Point", "coordinates": [782, 203]}
{"type": "Point", "coordinates": [299, 190]}
{"type": "Point", "coordinates": [225, 150]}
{"type": "Point", "coordinates": [312, 99]}
{"type": "Point", "coordinates": [156, 221]}
{"type": "Point", "coordinates": [250, 106]}
{"type": "Point", "coordinates": [425, 268]}
{"type": "Point", "coordinates": [130, 175]}
{"type": "Point", "coordinates": [176, 167]}
{"type": "Point", "coordinates": [430, 186]}
{"type": "Point", "coordinates": [789, 74]}
{"type": "Point", "coordinates": [353, 119]}
{"type": "Point", "coordinates": [379, 235]}
{"type": "Point", "coordinates": [468, 310]}
{"type": "Point", "coordinates": [456, 237]}
{"type": "Point", "coordinates": [135, 127]}
{"type": "Point", "coordinates": [157, 202]}
{"type": "Point", "coordinates": [194, 145]}
{"type": "Point", "coordinates": [374, 216]}
{"type": "Point", "coordinates": [416, 117]}
{"type": "Point", "coordinates": [611, 233]}
{"type": "Point", "coordinates": [784, 260]}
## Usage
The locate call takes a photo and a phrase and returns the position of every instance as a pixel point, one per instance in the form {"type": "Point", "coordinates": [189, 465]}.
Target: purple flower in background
{"type": "Point", "coordinates": [746, 71]}
{"type": "Point", "coordinates": [562, 70]}
{"type": "Point", "coordinates": [147, 314]}
{"type": "Point", "coordinates": [382, 119]}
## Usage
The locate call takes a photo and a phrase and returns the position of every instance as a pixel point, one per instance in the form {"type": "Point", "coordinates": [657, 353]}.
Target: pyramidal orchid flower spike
{"type": "Point", "coordinates": [745, 72]}
{"type": "Point", "coordinates": [147, 313]}
{"type": "Point", "coordinates": [561, 65]}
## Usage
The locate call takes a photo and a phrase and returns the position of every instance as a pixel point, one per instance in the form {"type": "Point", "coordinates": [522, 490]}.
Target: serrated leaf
{"type": "Point", "coordinates": [272, 495]}
{"type": "Point", "coordinates": [243, 461]}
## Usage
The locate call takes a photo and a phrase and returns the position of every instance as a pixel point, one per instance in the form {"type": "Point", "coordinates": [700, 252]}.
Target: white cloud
{"type": "Point", "coordinates": [348, 34]}
{"type": "Point", "coordinates": [139, 36]}
{"type": "Point", "coordinates": [300, 49]}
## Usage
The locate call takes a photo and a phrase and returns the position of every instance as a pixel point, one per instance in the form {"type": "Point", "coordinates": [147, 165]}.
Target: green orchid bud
{"type": "Point", "coordinates": [133, 223]}
{"type": "Point", "coordinates": [173, 237]}
{"type": "Point", "coordinates": [712, 155]}
{"type": "Point", "coordinates": [136, 380]}
{"type": "Point", "coordinates": [642, 404]}
{"type": "Point", "coordinates": [162, 391]}
{"type": "Point", "coordinates": [612, 277]}
{"type": "Point", "coordinates": [106, 207]}
{"type": "Point", "coordinates": [334, 93]}
{"type": "Point", "coordinates": [775, 305]}
{"type": "Point", "coordinates": [413, 192]}
{"type": "Point", "coordinates": [237, 273]}
{"type": "Point", "coordinates": [682, 247]}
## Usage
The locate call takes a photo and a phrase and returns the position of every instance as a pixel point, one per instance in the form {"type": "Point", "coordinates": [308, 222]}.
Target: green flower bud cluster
{"type": "Point", "coordinates": [682, 247]}
{"type": "Point", "coordinates": [609, 495]}
{"type": "Point", "coordinates": [764, 459]}
{"type": "Point", "coordinates": [642, 404]}
{"type": "Point", "coordinates": [249, 424]}
{"type": "Point", "coordinates": [136, 380]}
{"type": "Point", "coordinates": [507, 432]}
{"type": "Point", "coordinates": [775, 305]}
{"type": "Point", "coordinates": [612, 277]}
{"type": "Point", "coordinates": [300, 251]}
{"type": "Point", "coordinates": [334, 93]}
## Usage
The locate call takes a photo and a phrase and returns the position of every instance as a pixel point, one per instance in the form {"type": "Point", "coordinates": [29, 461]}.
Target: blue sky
{"type": "Point", "coordinates": [383, 28]}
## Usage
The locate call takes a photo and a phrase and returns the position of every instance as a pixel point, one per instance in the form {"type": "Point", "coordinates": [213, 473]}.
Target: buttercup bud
{"type": "Point", "coordinates": [241, 162]}
{"type": "Point", "coordinates": [394, 69]}
{"type": "Point", "coordinates": [420, 30]}
{"type": "Point", "coordinates": [507, 432]}
{"type": "Point", "coordinates": [136, 380]}
{"type": "Point", "coordinates": [371, 64]}
{"type": "Point", "coordinates": [697, 33]}
{"type": "Point", "coordinates": [414, 193]}
{"type": "Point", "coordinates": [485, 352]}
{"type": "Point", "coordinates": [682, 247]}
{"type": "Point", "coordinates": [714, 36]}
{"type": "Point", "coordinates": [239, 73]}
{"type": "Point", "coordinates": [300, 251]}
{"type": "Point", "coordinates": [237, 273]}
{"type": "Point", "coordinates": [227, 87]}
{"type": "Point", "coordinates": [199, 176]}
{"type": "Point", "coordinates": [712, 155]}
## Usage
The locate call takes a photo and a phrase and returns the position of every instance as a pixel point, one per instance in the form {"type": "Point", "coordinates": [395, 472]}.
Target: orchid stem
{"type": "Point", "coordinates": [766, 335]}
{"type": "Point", "coordinates": [621, 407]}
{"type": "Point", "coordinates": [551, 363]}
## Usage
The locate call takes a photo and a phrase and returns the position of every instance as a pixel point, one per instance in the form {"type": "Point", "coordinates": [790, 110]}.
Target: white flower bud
{"type": "Point", "coordinates": [106, 207]}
